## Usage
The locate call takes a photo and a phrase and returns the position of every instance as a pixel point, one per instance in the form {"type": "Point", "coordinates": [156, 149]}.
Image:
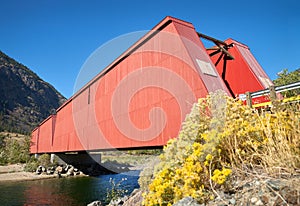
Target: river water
{"type": "Point", "coordinates": [63, 191]}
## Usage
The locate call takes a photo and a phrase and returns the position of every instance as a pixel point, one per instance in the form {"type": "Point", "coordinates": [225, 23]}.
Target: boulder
{"type": "Point", "coordinates": [70, 171]}
{"type": "Point", "coordinates": [76, 171]}
{"type": "Point", "coordinates": [187, 201]}
{"type": "Point", "coordinates": [119, 201]}
{"type": "Point", "coordinates": [50, 170]}
{"type": "Point", "coordinates": [65, 169]}
{"type": "Point", "coordinates": [40, 170]}
{"type": "Point", "coordinates": [44, 169]}
{"type": "Point", "coordinates": [95, 203]}
{"type": "Point", "coordinates": [135, 198]}
{"type": "Point", "coordinates": [59, 170]}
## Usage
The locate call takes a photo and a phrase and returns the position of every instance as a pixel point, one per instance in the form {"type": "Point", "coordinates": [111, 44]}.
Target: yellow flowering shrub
{"type": "Point", "coordinates": [219, 136]}
{"type": "Point", "coordinates": [221, 175]}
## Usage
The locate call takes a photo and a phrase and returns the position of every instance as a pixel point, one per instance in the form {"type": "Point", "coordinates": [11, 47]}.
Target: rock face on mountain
{"type": "Point", "coordinates": [25, 99]}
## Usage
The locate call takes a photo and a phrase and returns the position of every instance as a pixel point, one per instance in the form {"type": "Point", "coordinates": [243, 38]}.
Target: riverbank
{"type": "Point", "coordinates": [117, 162]}
{"type": "Point", "coordinates": [15, 172]}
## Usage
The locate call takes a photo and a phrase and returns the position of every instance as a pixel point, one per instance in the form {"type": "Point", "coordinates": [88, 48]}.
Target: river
{"type": "Point", "coordinates": [63, 191]}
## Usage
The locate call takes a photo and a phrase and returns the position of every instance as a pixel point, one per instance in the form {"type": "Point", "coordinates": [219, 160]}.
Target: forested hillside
{"type": "Point", "coordinates": [25, 99]}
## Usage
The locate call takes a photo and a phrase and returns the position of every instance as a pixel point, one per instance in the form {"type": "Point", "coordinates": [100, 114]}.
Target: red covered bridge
{"type": "Point", "coordinates": [141, 98]}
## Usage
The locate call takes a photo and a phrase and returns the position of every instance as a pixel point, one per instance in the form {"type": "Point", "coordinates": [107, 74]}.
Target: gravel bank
{"type": "Point", "coordinates": [15, 172]}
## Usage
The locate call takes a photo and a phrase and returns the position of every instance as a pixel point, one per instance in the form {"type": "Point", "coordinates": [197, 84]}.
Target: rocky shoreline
{"type": "Point", "coordinates": [16, 172]}
{"type": "Point", "coordinates": [253, 191]}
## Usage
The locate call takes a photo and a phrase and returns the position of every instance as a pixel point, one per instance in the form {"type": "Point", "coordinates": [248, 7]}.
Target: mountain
{"type": "Point", "coordinates": [25, 99]}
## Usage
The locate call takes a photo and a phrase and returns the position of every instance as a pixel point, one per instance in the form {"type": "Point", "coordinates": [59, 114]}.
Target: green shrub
{"type": "Point", "coordinates": [146, 174]}
{"type": "Point", "coordinates": [145, 152]}
{"type": "Point", "coordinates": [44, 160]}
{"type": "Point", "coordinates": [14, 150]}
{"type": "Point", "coordinates": [31, 165]}
{"type": "Point", "coordinates": [286, 77]}
{"type": "Point", "coordinates": [116, 191]}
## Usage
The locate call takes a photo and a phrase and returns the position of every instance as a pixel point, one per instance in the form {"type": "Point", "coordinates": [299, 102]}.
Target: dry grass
{"type": "Point", "coordinates": [268, 140]}
{"type": "Point", "coordinates": [282, 150]}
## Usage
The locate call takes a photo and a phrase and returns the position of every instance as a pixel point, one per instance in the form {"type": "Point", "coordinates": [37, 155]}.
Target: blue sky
{"type": "Point", "coordinates": [55, 38]}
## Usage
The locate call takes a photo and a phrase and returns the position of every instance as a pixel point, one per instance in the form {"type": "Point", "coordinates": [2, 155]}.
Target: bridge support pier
{"type": "Point", "coordinates": [87, 162]}
{"type": "Point", "coordinates": [80, 158]}
{"type": "Point", "coordinates": [52, 158]}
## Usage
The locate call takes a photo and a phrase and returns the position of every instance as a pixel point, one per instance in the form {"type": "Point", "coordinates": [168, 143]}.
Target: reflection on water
{"type": "Point", "coordinates": [64, 191]}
